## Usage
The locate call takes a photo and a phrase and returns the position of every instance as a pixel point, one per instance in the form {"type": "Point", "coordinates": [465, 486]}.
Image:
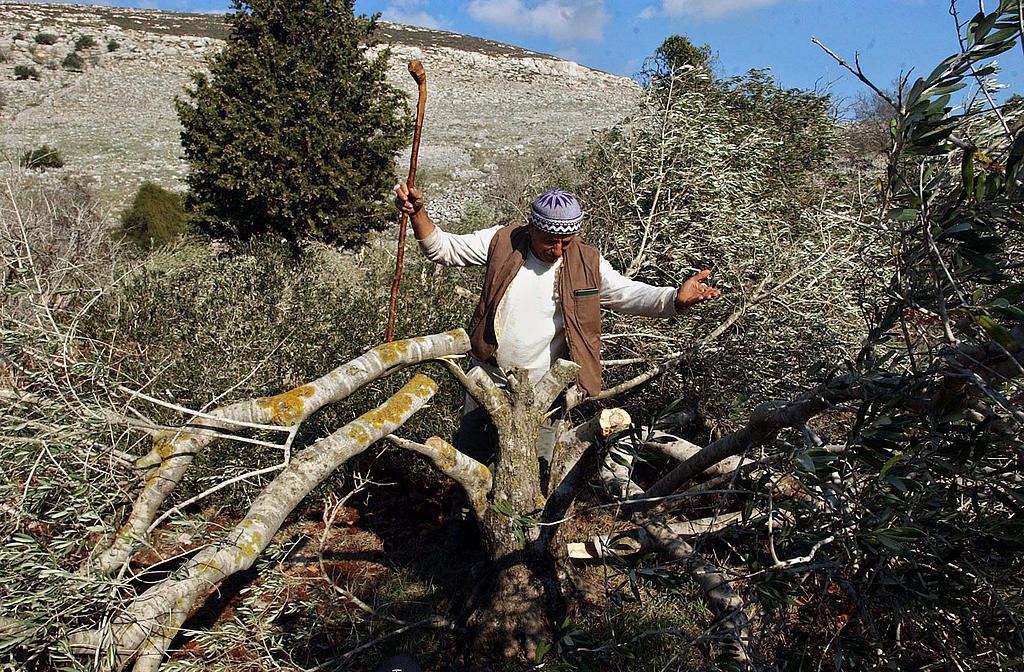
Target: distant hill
{"type": "Point", "coordinates": [115, 120]}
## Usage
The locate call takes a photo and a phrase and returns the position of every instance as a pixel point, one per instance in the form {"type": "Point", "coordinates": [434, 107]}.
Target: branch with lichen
{"type": "Point", "coordinates": [474, 477]}
{"type": "Point", "coordinates": [561, 374]}
{"type": "Point", "coordinates": [486, 392]}
{"type": "Point", "coordinates": [577, 457]}
{"type": "Point", "coordinates": [732, 621]}
{"type": "Point", "coordinates": [147, 626]}
{"type": "Point", "coordinates": [173, 451]}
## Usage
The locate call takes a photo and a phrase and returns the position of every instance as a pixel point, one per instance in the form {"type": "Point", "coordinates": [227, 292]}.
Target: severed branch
{"type": "Point", "coordinates": [561, 374]}
{"type": "Point", "coordinates": [732, 620]}
{"type": "Point", "coordinates": [765, 422]}
{"type": "Point", "coordinates": [577, 457]}
{"type": "Point", "coordinates": [637, 540]}
{"type": "Point", "coordinates": [148, 624]}
{"type": "Point", "coordinates": [574, 441]}
{"type": "Point", "coordinates": [474, 477]}
{"type": "Point", "coordinates": [682, 450]}
{"type": "Point", "coordinates": [173, 451]}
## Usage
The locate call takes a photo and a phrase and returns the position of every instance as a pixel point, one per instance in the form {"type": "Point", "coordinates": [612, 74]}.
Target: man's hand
{"type": "Point", "coordinates": [408, 199]}
{"type": "Point", "coordinates": [694, 291]}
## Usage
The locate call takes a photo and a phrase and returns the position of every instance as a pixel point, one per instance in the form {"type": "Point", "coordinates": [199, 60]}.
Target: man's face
{"type": "Point", "coordinates": [547, 246]}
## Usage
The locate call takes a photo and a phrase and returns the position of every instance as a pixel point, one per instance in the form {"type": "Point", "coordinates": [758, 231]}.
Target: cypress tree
{"type": "Point", "coordinates": [294, 130]}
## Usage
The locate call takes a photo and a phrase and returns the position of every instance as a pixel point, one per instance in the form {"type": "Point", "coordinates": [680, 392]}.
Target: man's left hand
{"type": "Point", "coordinates": [694, 291]}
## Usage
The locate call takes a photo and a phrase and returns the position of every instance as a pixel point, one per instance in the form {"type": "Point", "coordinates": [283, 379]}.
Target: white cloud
{"type": "Point", "coordinates": [571, 54]}
{"type": "Point", "coordinates": [649, 12]}
{"type": "Point", "coordinates": [404, 12]}
{"type": "Point", "coordinates": [706, 9]}
{"type": "Point", "coordinates": [564, 20]}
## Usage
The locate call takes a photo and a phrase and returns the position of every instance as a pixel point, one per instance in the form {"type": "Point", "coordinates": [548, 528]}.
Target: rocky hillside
{"type": "Point", "coordinates": [113, 118]}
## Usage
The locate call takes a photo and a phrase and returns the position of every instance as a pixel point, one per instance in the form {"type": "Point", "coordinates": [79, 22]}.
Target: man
{"type": "Point", "coordinates": [542, 297]}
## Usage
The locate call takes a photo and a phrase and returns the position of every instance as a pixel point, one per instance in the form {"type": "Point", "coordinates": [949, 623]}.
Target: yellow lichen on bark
{"type": "Point", "coordinates": [359, 434]}
{"type": "Point", "coordinates": [395, 410]}
{"type": "Point", "coordinates": [286, 408]}
{"type": "Point", "coordinates": [163, 447]}
{"type": "Point", "coordinates": [445, 456]}
{"type": "Point", "coordinates": [390, 353]}
{"type": "Point", "coordinates": [252, 548]}
{"type": "Point", "coordinates": [207, 566]}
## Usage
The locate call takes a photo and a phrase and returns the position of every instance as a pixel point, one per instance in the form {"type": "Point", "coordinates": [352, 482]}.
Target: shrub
{"type": "Point", "coordinates": [25, 72]}
{"type": "Point", "coordinates": [73, 61]}
{"type": "Point", "coordinates": [155, 217]}
{"type": "Point", "coordinates": [56, 258]}
{"type": "Point", "coordinates": [85, 42]}
{"type": "Point", "coordinates": [294, 130]}
{"type": "Point", "coordinates": [45, 38]}
{"type": "Point", "coordinates": [4, 55]}
{"type": "Point", "coordinates": [674, 54]}
{"type": "Point", "coordinates": [42, 158]}
{"type": "Point", "coordinates": [207, 322]}
{"type": "Point", "coordinates": [112, 45]}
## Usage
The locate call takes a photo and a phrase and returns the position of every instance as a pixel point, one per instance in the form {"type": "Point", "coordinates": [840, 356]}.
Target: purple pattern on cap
{"type": "Point", "coordinates": [556, 212]}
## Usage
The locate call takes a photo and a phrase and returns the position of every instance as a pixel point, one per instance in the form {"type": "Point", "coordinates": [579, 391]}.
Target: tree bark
{"type": "Point", "coordinates": [149, 623]}
{"type": "Point", "coordinates": [173, 451]}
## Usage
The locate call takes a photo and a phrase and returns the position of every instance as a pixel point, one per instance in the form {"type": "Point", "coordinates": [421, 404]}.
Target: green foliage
{"type": "Point", "coordinates": [42, 158]}
{"type": "Point", "coordinates": [113, 45]}
{"type": "Point", "coordinates": [918, 525]}
{"type": "Point", "coordinates": [677, 51]}
{"type": "Point", "coordinates": [25, 72]}
{"type": "Point", "coordinates": [85, 42]}
{"type": "Point", "coordinates": [734, 176]}
{"type": "Point", "coordinates": [155, 217]}
{"type": "Point", "coordinates": [61, 478]}
{"type": "Point", "coordinates": [294, 131]}
{"type": "Point", "coordinates": [675, 54]}
{"type": "Point", "coordinates": [73, 61]}
{"type": "Point", "coordinates": [45, 38]}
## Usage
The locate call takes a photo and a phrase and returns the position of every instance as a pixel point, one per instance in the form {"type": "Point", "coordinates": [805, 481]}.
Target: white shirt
{"type": "Point", "coordinates": [528, 321]}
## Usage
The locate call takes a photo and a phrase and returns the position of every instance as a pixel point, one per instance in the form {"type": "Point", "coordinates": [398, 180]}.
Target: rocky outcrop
{"type": "Point", "coordinates": [115, 119]}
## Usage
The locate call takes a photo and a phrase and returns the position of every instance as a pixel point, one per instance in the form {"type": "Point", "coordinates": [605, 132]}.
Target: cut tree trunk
{"type": "Point", "coordinates": [525, 603]}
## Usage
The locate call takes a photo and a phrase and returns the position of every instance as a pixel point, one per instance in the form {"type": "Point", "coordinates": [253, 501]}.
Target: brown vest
{"type": "Point", "coordinates": [579, 285]}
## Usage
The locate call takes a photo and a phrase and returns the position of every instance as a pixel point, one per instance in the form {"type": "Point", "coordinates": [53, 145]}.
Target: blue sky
{"type": "Point", "coordinates": [890, 36]}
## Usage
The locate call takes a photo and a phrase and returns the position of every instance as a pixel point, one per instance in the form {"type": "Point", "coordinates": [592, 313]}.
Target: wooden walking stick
{"type": "Point", "coordinates": [420, 75]}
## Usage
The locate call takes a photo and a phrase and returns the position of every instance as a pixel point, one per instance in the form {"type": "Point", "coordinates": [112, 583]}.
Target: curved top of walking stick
{"type": "Point", "coordinates": [417, 72]}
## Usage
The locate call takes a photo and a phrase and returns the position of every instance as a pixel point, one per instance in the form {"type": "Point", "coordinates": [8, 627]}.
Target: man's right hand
{"type": "Point", "coordinates": [409, 200]}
